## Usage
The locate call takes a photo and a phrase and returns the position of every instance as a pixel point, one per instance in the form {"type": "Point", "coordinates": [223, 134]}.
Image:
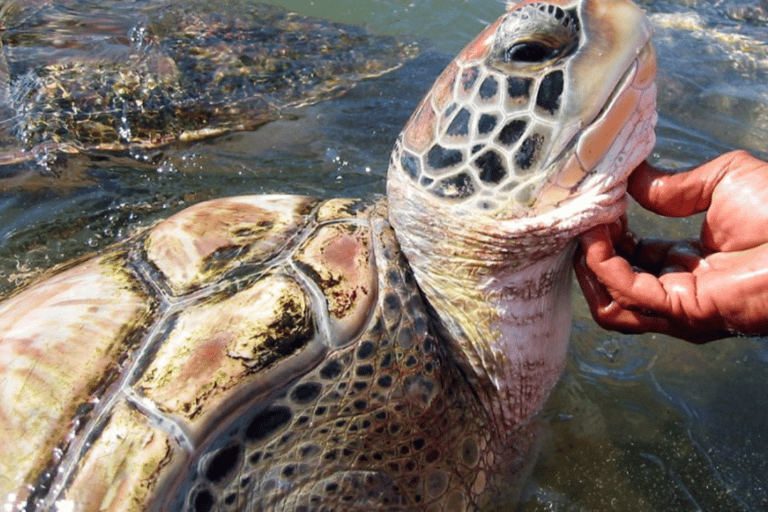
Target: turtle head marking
{"type": "Point", "coordinates": [530, 108]}
{"type": "Point", "coordinates": [524, 141]}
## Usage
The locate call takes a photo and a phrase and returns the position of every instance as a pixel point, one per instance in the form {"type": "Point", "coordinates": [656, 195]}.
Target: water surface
{"type": "Point", "coordinates": [638, 422]}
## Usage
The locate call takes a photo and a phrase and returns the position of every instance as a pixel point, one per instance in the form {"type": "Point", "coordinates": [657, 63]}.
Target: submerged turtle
{"type": "Point", "coordinates": [142, 78]}
{"type": "Point", "coordinates": [280, 352]}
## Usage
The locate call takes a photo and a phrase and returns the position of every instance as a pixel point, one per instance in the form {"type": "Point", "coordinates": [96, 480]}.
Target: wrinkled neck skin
{"type": "Point", "coordinates": [492, 254]}
{"type": "Point", "coordinates": [501, 288]}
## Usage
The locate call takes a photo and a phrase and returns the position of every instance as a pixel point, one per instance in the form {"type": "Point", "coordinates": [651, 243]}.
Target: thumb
{"type": "Point", "coordinates": [679, 194]}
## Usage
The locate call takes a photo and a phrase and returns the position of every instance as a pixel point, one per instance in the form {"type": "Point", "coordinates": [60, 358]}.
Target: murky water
{"type": "Point", "coordinates": [639, 422]}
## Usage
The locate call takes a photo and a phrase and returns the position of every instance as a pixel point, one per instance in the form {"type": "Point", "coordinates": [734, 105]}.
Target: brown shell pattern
{"type": "Point", "coordinates": [204, 310]}
{"type": "Point", "coordinates": [247, 353]}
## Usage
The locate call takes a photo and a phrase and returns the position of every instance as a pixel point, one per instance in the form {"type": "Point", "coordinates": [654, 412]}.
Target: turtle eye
{"type": "Point", "coordinates": [530, 52]}
{"type": "Point", "coordinates": [534, 36]}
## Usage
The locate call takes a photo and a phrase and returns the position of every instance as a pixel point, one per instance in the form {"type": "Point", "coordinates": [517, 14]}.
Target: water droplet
{"type": "Point", "coordinates": [166, 167]}
{"type": "Point", "coordinates": [331, 154]}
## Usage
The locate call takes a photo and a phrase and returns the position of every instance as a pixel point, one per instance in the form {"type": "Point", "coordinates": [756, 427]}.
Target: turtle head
{"type": "Point", "coordinates": [526, 114]}
{"type": "Point", "coordinates": [524, 141]}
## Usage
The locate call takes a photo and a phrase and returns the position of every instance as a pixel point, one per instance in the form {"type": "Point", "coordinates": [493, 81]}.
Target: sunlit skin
{"type": "Point", "coordinates": [698, 290]}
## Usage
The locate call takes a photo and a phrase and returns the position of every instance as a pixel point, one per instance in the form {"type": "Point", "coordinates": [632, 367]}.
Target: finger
{"type": "Point", "coordinates": [617, 318]}
{"type": "Point", "coordinates": [596, 294]}
{"type": "Point", "coordinates": [685, 193]}
{"type": "Point", "coordinates": [615, 309]}
{"type": "Point", "coordinates": [608, 313]}
{"type": "Point", "coordinates": [633, 290]}
{"type": "Point", "coordinates": [600, 257]}
{"type": "Point", "coordinates": [624, 240]}
{"type": "Point", "coordinates": [648, 254]}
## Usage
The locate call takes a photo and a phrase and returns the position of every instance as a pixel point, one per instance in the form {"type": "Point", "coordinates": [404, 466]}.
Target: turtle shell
{"type": "Point", "coordinates": [263, 350]}
{"type": "Point", "coordinates": [275, 352]}
{"type": "Point", "coordinates": [144, 77]}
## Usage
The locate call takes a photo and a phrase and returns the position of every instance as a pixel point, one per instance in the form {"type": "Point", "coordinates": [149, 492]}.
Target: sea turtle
{"type": "Point", "coordinates": [141, 77]}
{"type": "Point", "coordinates": [283, 353]}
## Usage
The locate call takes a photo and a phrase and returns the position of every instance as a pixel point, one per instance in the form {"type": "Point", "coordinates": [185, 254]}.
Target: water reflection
{"type": "Point", "coordinates": [639, 422]}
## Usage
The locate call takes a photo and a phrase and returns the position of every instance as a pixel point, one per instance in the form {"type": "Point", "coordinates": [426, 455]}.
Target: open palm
{"type": "Point", "coordinates": [700, 289]}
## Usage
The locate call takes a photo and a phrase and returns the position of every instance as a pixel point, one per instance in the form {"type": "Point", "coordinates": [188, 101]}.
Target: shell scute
{"type": "Point", "coordinates": [211, 238]}
{"type": "Point", "coordinates": [338, 258]}
{"type": "Point", "coordinates": [343, 209]}
{"type": "Point", "coordinates": [143, 456]}
{"type": "Point", "coordinates": [219, 349]}
{"type": "Point", "coordinates": [62, 342]}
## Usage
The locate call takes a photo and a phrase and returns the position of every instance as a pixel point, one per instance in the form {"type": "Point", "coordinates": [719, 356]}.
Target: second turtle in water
{"type": "Point", "coordinates": [141, 79]}
{"type": "Point", "coordinates": [284, 353]}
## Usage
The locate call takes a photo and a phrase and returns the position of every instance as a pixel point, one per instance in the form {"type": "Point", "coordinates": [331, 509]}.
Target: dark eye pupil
{"type": "Point", "coordinates": [529, 52]}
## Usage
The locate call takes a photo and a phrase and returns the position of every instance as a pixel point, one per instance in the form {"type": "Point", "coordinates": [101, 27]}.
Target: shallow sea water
{"type": "Point", "coordinates": [644, 423]}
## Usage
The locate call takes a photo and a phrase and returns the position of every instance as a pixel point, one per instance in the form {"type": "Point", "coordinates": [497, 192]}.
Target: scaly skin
{"type": "Point", "coordinates": [498, 283]}
{"type": "Point", "coordinates": [281, 353]}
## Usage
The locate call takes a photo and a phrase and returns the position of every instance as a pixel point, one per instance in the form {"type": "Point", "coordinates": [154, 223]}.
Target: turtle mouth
{"type": "Point", "coordinates": [606, 151]}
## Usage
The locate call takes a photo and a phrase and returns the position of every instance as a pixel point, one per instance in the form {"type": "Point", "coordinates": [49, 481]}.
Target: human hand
{"type": "Point", "coordinates": [697, 290]}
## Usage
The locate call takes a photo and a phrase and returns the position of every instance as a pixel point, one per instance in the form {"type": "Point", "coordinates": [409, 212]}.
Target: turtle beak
{"type": "Point", "coordinates": [614, 34]}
